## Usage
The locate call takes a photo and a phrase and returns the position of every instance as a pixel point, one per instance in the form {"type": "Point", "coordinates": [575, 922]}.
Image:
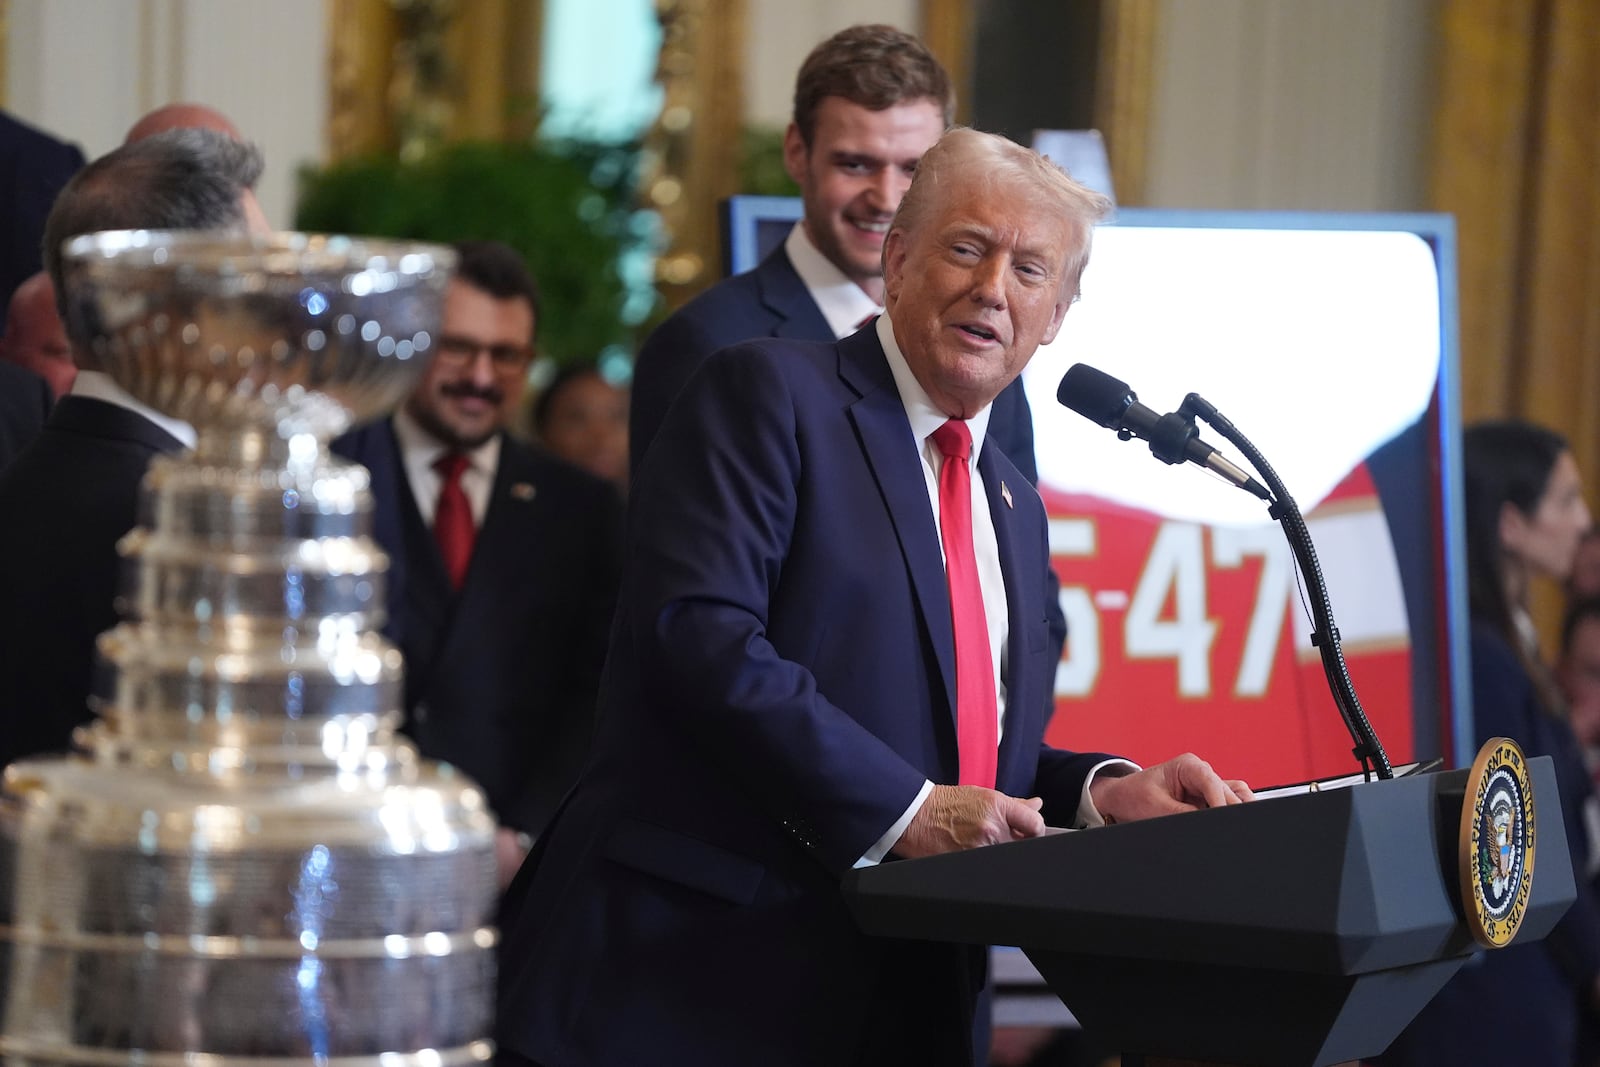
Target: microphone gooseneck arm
{"type": "Point", "coordinates": [1325, 635]}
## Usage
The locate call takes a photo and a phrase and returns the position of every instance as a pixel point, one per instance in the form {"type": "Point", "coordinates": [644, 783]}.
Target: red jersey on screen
{"type": "Point", "coordinates": [1186, 637]}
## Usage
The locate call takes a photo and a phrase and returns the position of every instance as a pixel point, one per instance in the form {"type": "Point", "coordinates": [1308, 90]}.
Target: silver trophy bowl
{"type": "Point", "coordinates": [243, 862]}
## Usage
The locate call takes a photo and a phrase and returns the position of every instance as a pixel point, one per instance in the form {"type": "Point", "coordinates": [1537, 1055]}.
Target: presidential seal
{"type": "Point", "coordinates": [1497, 838]}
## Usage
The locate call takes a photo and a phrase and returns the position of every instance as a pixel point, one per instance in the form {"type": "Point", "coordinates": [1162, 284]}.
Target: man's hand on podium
{"type": "Point", "coordinates": [1185, 783]}
{"type": "Point", "coordinates": [956, 817]}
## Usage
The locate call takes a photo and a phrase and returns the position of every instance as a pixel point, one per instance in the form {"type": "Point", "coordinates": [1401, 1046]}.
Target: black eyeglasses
{"type": "Point", "coordinates": [461, 350]}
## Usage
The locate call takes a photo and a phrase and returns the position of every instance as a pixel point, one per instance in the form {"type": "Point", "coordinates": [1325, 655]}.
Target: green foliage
{"type": "Point", "coordinates": [568, 208]}
{"type": "Point", "coordinates": [761, 170]}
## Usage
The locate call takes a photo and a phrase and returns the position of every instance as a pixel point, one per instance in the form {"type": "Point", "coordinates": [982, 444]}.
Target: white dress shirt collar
{"type": "Point", "coordinates": [419, 450]}
{"type": "Point", "coordinates": [920, 410]}
{"type": "Point", "coordinates": [97, 385]}
{"type": "Point", "coordinates": [842, 302]}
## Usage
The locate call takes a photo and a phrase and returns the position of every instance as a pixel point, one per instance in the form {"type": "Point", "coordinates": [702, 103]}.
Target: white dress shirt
{"type": "Point", "coordinates": [97, 385]}
{"type": "Point", "coordinates": [420, 450]}
{"type": "Point", "coordinates": [925, 418]}
{"type": "Point", "coordinates": [842, 302]}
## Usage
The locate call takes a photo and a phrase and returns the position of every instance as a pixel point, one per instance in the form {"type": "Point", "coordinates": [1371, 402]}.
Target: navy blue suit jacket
{"type": "Point", "coordinates": [24, 405]}
{"type": "Point", "coordinates": [33, 168]}
{"type": "Point", "coordinates": [502, 675]}
{"type": "Point", "coordinates": [779, 685]}
{"type": "Point", "coordinates": [66, 500]}
{"type": "Point", "coordinates": [772, 301]}
{"type": "Point", "coordinates": [769, 301]}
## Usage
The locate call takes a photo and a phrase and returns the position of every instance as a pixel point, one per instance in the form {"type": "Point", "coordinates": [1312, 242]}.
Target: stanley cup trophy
{"type": "Point", "coordinates": [244, 864]}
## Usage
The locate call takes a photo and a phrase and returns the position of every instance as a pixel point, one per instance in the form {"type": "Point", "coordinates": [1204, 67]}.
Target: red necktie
{"type": "Point", "coordinates": [977, 717]}
{"type": "Point", "coordinates": [452, 518]}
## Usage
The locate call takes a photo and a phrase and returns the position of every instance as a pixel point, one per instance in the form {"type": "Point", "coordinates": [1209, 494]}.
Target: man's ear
{"type": "Point", "coordinates": [894, 264]}
{"type": "Point", "coordinates": [795, 154]}
{"type": "Point", "coordinates": [1056, 316]}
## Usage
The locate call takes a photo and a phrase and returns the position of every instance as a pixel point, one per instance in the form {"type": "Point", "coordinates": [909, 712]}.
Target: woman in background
{"type": "Point", "coordinates": [583, 418]}
{"type": "Point", "coordinates": [1525, 515]}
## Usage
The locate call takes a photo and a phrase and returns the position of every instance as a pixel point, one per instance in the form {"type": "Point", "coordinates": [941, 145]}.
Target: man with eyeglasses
{"type": "Point", "coordinates": [504, 560]}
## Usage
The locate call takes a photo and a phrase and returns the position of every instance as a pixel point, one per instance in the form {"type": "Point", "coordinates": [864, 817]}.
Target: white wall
{"type": "Point", "coordinates": [86, 69]}
{"type": "Point", "coordinates": [1310, 105]}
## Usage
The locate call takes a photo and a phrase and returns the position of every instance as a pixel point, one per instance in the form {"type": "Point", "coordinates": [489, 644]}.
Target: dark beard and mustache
{"type": "Point", "coordinates": [468, 391]}
{"type": "Point", "coordinates": [450, 435]}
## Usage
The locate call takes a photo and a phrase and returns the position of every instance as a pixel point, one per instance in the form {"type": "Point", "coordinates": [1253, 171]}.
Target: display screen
{"type": "Point", "coordinates": [1329, 342]}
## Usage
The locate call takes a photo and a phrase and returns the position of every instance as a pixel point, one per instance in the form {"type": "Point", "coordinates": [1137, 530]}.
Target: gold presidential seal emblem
{"type": "Point", "coordinates": [1497, 839]}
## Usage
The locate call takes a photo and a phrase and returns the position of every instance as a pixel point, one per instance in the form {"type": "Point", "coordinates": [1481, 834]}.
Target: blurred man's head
{"type": "Point", "coordinates": [1579, 669]}
{"type": "Point", "coordinates": [185, 179]}
{"type": "Point", "coordinates": [479, 369]}
{"type": "Point", "coordinates": [981, 264]}
{"type": "Point", "coordinates": [187, 116]}
{"type": "Point", "coordinates": [868, 102]}
{"type": "Point", "coordinates": [34, 337]}
{"type": "Point", "coordinates": [182, 116]}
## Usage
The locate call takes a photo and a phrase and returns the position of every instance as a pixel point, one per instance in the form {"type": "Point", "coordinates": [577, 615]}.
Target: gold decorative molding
{"type": "Point", "coordinates": [1124, 86]}
{"type": "Point", "coordinates": [404, 75]}
{"type": "Point", "coordinates": [947, 29]}
{"type": "Point", "coordinates": [362, 36]}
{"type": "Point", "coordinates": [692, 151]}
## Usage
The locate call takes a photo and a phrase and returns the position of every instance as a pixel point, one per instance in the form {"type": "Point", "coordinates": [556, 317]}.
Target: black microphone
{"type": "Point", "coordinates": [1104, 400]}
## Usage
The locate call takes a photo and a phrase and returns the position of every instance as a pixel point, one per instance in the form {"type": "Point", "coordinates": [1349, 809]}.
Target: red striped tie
{"type": "Point", "coordinates": [453, 527]}
{"type": "Point", "coordinates": [977, 716]}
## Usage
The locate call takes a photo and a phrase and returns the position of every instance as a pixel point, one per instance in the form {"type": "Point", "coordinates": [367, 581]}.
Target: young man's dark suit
{"type": "Point", "coordinates": [24, 405]}
{"type": "Point", "coordinates": [33, 168]}
{"type": "Point", "coordinates": [779, 686]}
{"type": "Point", "coordinates": [502, 676]}
{"type": "Point", "coordinates": [769, 301]}
{"type": "Point", "coordinates": [66, 500]}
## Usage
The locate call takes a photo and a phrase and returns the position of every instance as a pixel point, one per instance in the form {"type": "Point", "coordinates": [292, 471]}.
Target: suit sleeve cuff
{"type": "Point", "coordinates": [1088, 814]}
{"type": "Point", "coordinates": [875, 854]}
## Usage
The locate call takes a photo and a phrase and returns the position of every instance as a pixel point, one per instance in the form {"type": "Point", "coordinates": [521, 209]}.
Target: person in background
{"type": "Point", "coordinates": [583, 418]}
{"type": "Point", "coordinates": [868, 102]}
{"type": "Point", "coordinates": [504, 561]}
{"type": "Point", "coordinates": [35, 338]}
{"type": "Point", "coordinates": [1525, 516]}
{"type": "Point", "coordinates": [74, 492]}
{"type": "Point", "coordinates": [190, 116]}
{"type": "Point", "coordinates": [1584, 581]}
{"type": "Point", "coordinates": [34, 167]}
{"type": "Point", "coordinates": [1579, 673]}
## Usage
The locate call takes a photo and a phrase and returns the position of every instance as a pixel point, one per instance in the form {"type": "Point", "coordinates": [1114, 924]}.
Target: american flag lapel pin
{"type": "Point", "coordinates": [1005, 494]}
{"type": "Point", "coordinates": [522, 491]}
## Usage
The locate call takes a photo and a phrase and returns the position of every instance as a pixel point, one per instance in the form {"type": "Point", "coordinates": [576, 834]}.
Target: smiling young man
{"type": "Point", "coordinates": [503, 559]}
{"type": "Point", "coordinates": [868, 102]}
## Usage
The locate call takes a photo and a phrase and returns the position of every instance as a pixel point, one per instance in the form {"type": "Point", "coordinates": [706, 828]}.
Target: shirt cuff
{"type": "Point", "coordinates": [1088, 814]}
{"type": "Point", "coordinates": [875, 854]}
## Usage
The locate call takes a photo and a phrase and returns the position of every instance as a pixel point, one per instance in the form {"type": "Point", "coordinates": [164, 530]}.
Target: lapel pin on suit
{"type": "Point", "coordinates": [1005, 494]}
{"type": "Point", "coordinates": [522, 491]}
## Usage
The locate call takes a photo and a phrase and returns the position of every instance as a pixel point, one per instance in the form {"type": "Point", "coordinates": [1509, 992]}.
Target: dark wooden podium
{"type": "Point", "coordinates": [1305, 929]}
